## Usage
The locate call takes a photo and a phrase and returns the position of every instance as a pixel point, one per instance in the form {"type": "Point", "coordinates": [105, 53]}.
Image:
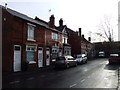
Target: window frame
{"type": "Point", "coordinates": [54, 36]}
{"type": "Point", "coordinates": [31, 50]}
{"type": "Point", "coordinates": [29, 36]}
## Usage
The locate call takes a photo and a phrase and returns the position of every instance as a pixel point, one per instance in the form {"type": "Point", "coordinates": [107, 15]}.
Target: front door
{"type": "Point", "coordinates": [17, 58]}
{"type": "Point", "coordinates": [60, 52]}
{"type": "Point", "coordinates": [40, 57]}
{"type": "Point", "coordinates": [47, 56]}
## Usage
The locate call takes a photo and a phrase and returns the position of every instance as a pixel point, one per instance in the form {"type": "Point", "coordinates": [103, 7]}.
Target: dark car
{"type": "Point", "coordinates": [114, 58]}
{"type": "Point", "coordinates": [65, 61]}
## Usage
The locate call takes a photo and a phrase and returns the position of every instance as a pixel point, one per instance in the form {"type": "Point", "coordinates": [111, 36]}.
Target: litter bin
{"type": "Point", "coordinates": [24, 66]}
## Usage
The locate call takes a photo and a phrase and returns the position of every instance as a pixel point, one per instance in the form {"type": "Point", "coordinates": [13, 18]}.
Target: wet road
{"type": "Point", "coordinates": [95, 74]}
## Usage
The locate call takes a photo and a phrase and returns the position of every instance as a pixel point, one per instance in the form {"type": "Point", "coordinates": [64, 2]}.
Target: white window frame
{"type": "Point", "coordinates": [28, 35]}
{"type": "Point", "coordinates": [35, 48]}
{"type": "Point", "coordinates": [54, 36]}
{"type": "Point", "coordinates": [64, 39]}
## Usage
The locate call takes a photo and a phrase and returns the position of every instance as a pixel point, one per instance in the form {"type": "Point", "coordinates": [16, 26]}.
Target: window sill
{"type": "Point", "coordinates": [31, 40]}
{"type": "Point", "coordinates": [32, 62]}
{"type": "Point", "coordinates": [56, 40]}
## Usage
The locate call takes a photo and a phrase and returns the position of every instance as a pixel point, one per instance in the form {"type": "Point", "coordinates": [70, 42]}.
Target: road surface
{"type": "Point", "coordinates": [94, 74]}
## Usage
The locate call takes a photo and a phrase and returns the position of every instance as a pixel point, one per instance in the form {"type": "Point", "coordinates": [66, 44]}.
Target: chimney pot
{"type": "Point", "coordinates": [89, 39]}
{"type": "Point", "coordinates": [80, 32]}
{"type": "Point", "coordinates": [52, 21]}
{"type": "Point", "coordinates": [60, 22]}
{"type": "Point", "coordinates": [82, 36]}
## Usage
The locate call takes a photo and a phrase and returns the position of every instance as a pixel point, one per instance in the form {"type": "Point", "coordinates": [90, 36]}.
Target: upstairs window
{"type": "Point", "coordinates": [55, 36]}
{"type": "Point", "coordinates": [64, 39]}
{"type": "Point", "coordinates": [31, 29]}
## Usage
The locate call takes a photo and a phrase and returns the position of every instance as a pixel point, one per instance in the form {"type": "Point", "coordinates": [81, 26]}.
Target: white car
{"type": "Point", "coordinates": [81, 58]}
{"type": "Point", "coordinates": [101, 54]}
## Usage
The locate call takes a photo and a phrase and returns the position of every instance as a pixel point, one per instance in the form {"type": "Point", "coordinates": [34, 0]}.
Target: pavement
{"type": "Point", "coordinates": [119, 78]}
{"type": "Point", "coordinates": [28, 71]}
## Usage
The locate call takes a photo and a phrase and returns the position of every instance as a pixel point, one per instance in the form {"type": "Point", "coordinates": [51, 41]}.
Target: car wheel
{"type": "Point", "coordinates": [67, 65]}
{"type": "Point", "coordinates": [75, 64]}
{"type": "Point", "coordinates": [110, 62]}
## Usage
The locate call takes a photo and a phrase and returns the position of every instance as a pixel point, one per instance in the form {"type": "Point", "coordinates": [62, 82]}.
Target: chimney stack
{"type": "Point", "coordinates": [61, 22]}
{"type": "Point", "coordinates": [89, 39]}
{"type": "Point", "coordinates": [83, 36]}
{"type": "Point", "coordinates": [5, 5]}
{"type": "Point", "coordinates": [80, 32]}
{"type": "Point", "coordinates": [52, 21]}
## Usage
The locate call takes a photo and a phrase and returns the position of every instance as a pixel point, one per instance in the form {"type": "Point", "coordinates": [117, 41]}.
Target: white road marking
{"type": "Point", "coordinates": [14, 82]}
{"type": "Point", "coordinates": [72, 85]}
{"type": "Point", "coordinates": [83, 80]}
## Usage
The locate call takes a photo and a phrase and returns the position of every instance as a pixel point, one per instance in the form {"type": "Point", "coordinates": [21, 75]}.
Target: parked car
{"type": "Point", "coordinates": [65, 61]}
{"type": "Point", "coordinates": [101, 54]}
{"type": "Point", "coordinates": [81, 58]}
{"type": "Point", "coordinates": [114, 58]}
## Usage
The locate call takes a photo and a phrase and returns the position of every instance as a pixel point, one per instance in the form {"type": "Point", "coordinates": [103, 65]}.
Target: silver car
{"type": "Point", "coordinates": [81, 58]}
{"type": "Point", "coordinates": [65, 61]}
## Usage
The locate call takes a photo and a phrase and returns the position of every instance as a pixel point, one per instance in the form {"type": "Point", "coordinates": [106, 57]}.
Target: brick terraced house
{"type": "Point", "coordinates": [25, 39]}
{"type": "Point", "coordinates": [78, 44]}
{"type": "Point", "coordinates": [36, 41]}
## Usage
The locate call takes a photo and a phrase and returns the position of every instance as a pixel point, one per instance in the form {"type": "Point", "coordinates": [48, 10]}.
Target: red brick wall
{"type": "Point", "coordinates": [15, 32]}
{"type": "Point", "coordinates": [74, 41]}
{"type": "Point", "coordinates": [7, 21]}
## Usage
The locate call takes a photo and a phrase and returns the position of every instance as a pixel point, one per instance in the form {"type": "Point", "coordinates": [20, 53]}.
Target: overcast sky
{"type": "Point", "coordinates": [85, 14]}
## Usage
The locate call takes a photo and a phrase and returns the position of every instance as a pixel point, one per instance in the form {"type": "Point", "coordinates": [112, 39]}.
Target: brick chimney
{"type": "Point", "coordinates": [52, 21]}
{"type": "Point", "coordinates": [83, 36]}
{"type": "Point", "coordinates": [89, 39]}
{"type": "Point", "coordinates": [61, 22]}
{"type": "Point", "coordinates": [80, 32]}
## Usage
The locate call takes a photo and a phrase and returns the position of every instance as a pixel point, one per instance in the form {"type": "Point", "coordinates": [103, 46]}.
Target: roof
{"type": "Point", "coordinates": [60, 28]}
{"type": "Point", "coordinates": [25, 17]}
{"type": "Point", "coordinates": [85, 40]}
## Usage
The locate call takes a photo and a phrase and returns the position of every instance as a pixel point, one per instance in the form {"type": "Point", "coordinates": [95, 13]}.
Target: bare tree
{"type": "Point", "coordinates": [106, 28]}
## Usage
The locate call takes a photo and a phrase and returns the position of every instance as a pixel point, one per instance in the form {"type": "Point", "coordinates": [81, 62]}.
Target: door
{"type": "Point", "coordinates": [47, 56]}
{"type": "Point", "coordinates": [40, 57]}
{"type": "Point", "coordinates": [60, 52]}
{"type": "Point", "coordinates": [17, 58]}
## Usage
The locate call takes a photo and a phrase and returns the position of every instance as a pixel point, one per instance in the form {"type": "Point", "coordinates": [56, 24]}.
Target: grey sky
{"type": "Point", "coordinates": [85, 14]}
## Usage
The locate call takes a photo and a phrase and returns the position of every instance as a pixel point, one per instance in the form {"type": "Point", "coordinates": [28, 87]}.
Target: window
{"type": "Point", "coordinates": [30, 52]}
{"type": "Point", "coordinates": [54, 52]}
{"type": "Point", "coordinates": [17, 48]}
{"type": "Point", "coordinates": [64, 39]}
{"type": "Point", "coordinates": [55, 36]}
{"type": "Point", "coordinates": [31, 32]}
{"type": "Point", "coordinates": [67, 51]}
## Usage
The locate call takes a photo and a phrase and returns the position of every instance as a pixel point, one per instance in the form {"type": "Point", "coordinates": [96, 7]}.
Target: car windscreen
{"type": "Point", "coordinates": [70, 58]}
{"type": "Point", "coordinates": [60, 58]}
{"type": "Point", "coordinates": [79, 56]}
